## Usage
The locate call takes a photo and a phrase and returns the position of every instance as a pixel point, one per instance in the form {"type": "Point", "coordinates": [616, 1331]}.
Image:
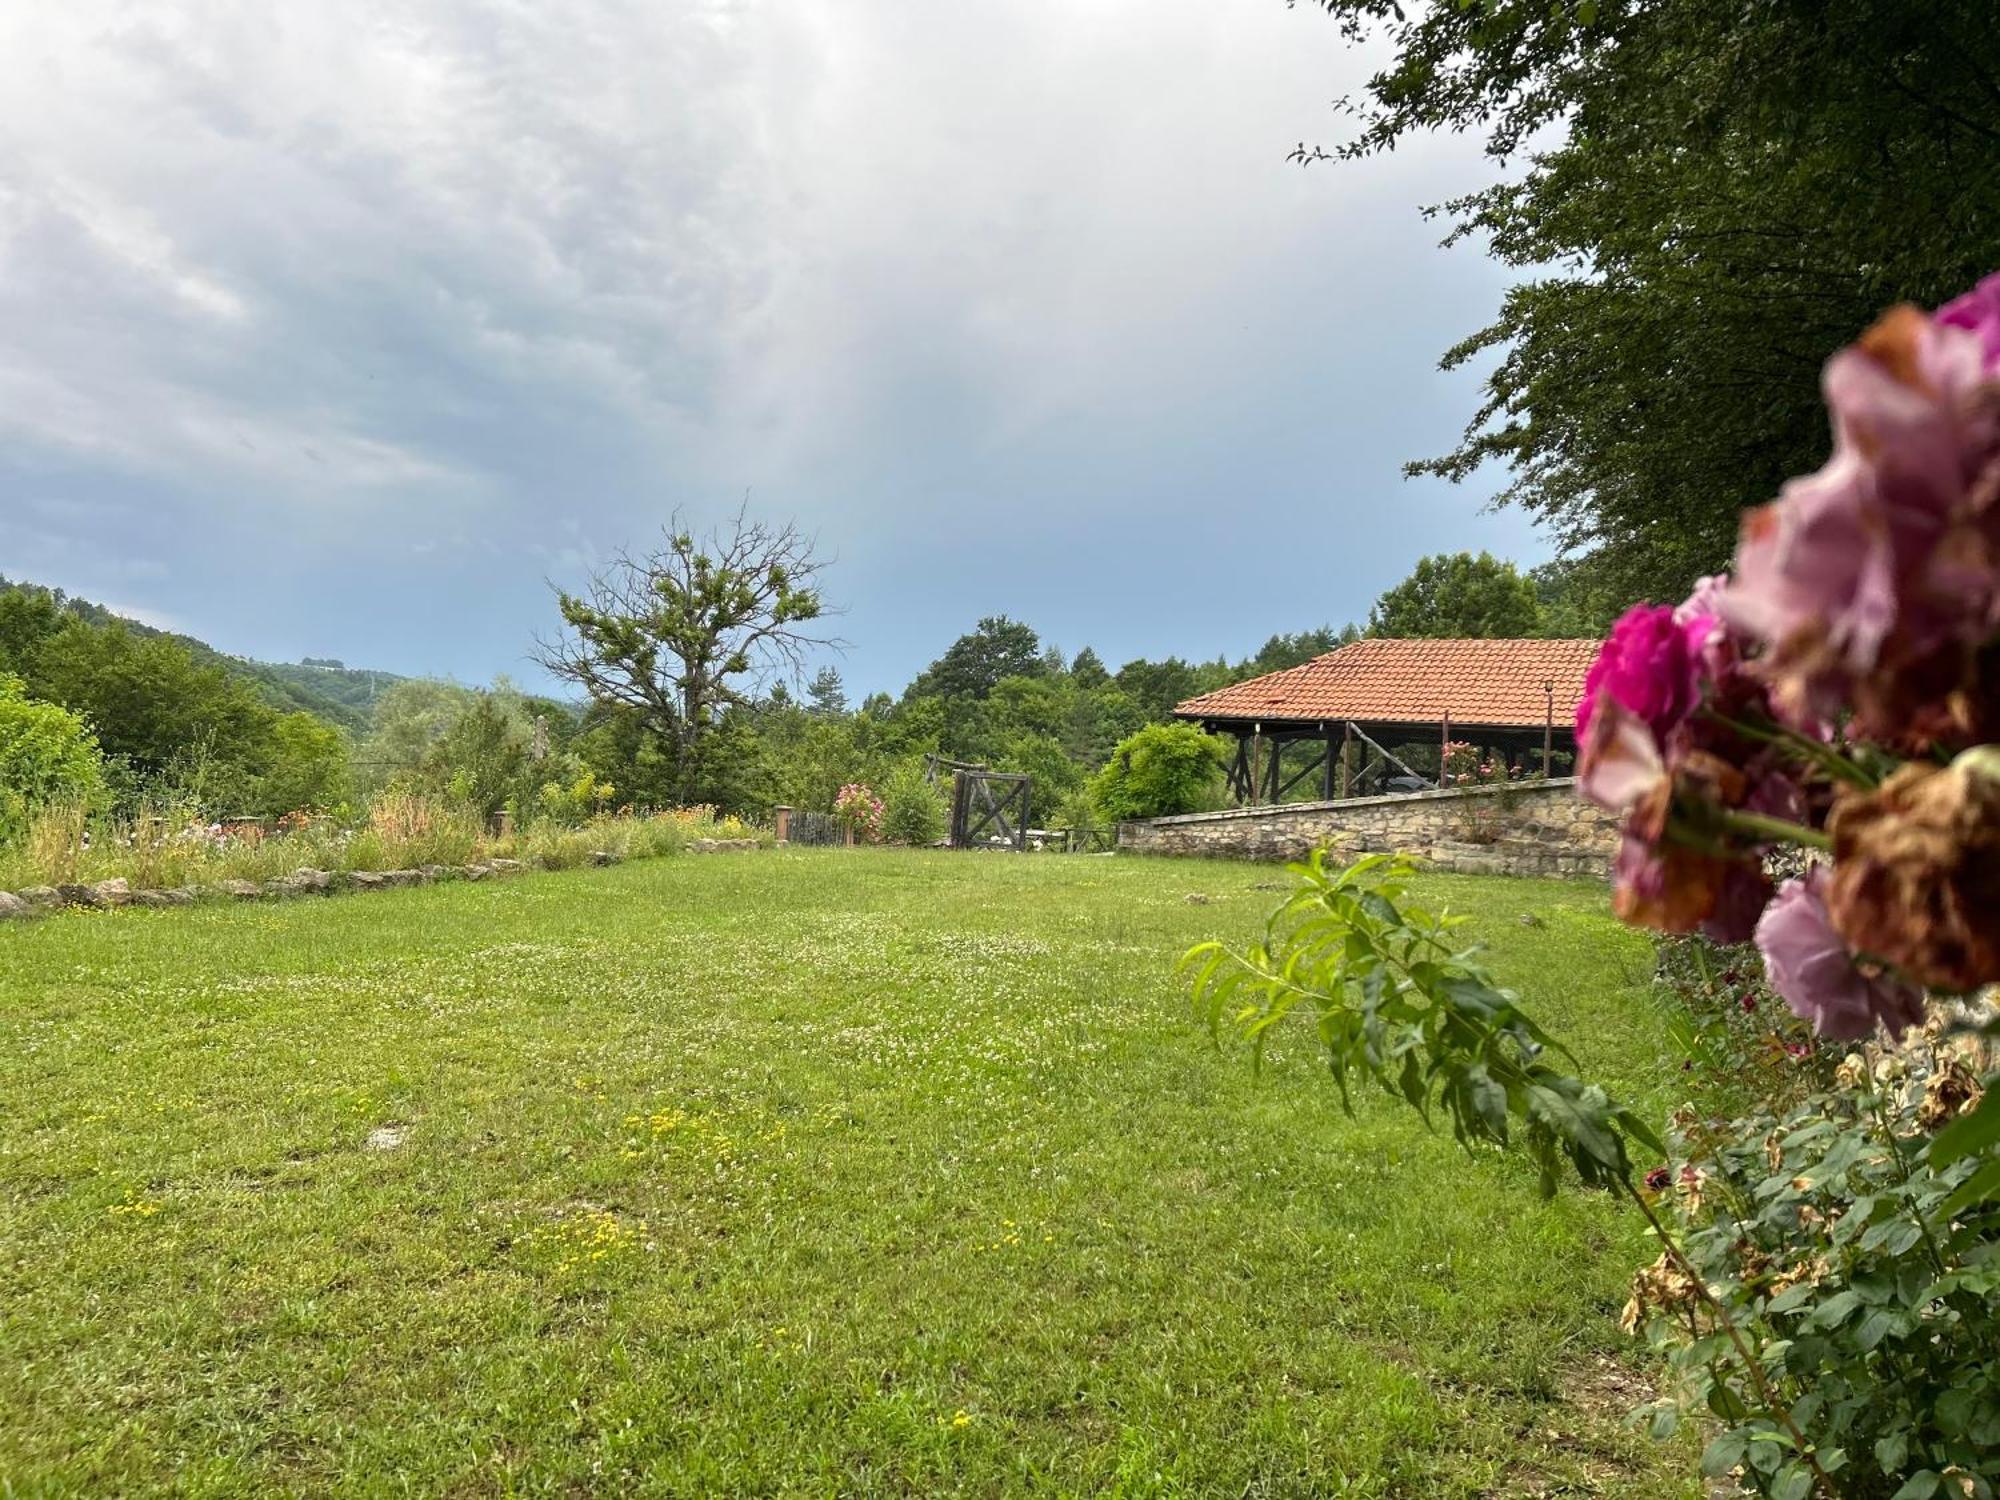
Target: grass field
{"type": "Point", "coordinates": [805, 1172]}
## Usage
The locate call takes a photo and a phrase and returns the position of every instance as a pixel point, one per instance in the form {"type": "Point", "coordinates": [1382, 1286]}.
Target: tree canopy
{"type": "Point", "coordinates": [671, 633]}
{"type": "Point", "coordinates": [1731, 191]}
{"type": "Point", "coordinates": [1457, 596]}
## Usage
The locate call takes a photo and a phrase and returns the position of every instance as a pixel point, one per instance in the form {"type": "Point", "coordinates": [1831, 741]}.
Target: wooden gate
{"type": "Point", "coordinates": [989, 810]}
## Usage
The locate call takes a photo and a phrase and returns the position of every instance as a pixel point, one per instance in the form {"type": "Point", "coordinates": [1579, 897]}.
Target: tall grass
{"type": "Point", "coordinates": [162, 851]}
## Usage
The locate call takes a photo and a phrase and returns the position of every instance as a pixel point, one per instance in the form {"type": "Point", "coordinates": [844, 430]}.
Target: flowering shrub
{"type": "Point", "coordinates": [859, 810]}
{"type": "Point", "coordinates": [1833, 1238]}
{"type": "Point", "coordinates": [1824, 716]}
{"type": "Point", "coordinates": [1465, 766]}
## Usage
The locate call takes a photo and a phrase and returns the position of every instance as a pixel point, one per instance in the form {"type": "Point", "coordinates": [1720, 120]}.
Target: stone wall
{"type": "Point", "coordinates": [1541, 828]}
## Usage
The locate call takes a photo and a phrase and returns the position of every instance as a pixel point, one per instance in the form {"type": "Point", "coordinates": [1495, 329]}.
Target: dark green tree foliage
{"type": "Point", "coordinates": [672, 634]}
{"type": "Point", "coordinates": [157, 712]}
{"type": "Point", "coordinates": [1456, 596]}
{"type": "Point", "coordinates": [973, 665]}
{"type": "Point", "coordinates": [1088, 670]}
{"type": "Point", "coordinates": [824, 693]}
{"type": "Point", "coordinates": [1734, 190]}
{"type": "Point", "coordinates": [341, 695]}
{"type": "Point", "coordinates": [1281, 652]}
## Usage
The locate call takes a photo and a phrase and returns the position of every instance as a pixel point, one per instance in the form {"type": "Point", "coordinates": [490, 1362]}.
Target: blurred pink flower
{"type": "Point", "coordinates": [1870, 580]}
{"type": "Point", "coordinates": [1649, 666]}
{"type": "Point", "coordinates": [1978, 312]}
{"type": "Point", "coordinates": [1820, 979]}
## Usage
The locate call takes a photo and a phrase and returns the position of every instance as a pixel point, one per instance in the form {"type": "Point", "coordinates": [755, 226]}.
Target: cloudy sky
{"type": "Point", "coordinates": [336, 330]}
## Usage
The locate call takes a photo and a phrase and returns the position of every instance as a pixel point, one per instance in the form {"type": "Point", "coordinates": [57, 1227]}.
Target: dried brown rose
{"type": "Point", "coordinates": [1949, 1092]}
{"type": "Point", "coordinates": [1916, 877]}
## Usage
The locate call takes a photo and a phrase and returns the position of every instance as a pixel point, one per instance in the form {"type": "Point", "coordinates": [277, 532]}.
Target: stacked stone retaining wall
{"type": "Point", "coordinates": [1539, 828]}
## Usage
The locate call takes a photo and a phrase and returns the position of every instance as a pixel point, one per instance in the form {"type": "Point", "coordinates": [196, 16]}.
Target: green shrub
{"type": "Point", "coordinates": [1161, 770]}
{"type": "Point", "coordinates": [48, 757]}
{"type": "Point", "coordinates": [913, 810]}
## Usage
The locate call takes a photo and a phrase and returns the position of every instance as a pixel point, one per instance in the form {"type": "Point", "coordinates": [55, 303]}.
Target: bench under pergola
{"type": "Point", "coordinates": [1517, 698]}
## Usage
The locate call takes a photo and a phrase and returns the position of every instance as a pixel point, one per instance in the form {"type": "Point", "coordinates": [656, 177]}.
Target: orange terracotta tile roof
{"type": "Point", "coordinates": [1490, 683]}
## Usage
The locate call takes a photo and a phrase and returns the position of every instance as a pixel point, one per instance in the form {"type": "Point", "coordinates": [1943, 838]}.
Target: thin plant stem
{"type": "Point", "coordinates": [1811, 751]}
{"type": "Point", "coordinates": [1755, 1369]}
{"type": "Point", "coordinates": [1769, 830]}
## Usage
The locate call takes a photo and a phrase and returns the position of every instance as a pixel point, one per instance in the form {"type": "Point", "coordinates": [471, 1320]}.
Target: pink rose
{"type": "Point", "coordinates": [1650, 667]}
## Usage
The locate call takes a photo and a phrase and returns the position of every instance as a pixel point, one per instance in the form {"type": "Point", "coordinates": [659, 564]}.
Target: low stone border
{"type": "Point", "coordinates": [105, 895]}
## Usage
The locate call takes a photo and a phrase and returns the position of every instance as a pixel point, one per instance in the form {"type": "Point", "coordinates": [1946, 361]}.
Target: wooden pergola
{"type": "Point", "coordinates": [1515, 697]}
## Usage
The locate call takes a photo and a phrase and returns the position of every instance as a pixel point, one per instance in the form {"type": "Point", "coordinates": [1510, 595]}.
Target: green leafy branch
{"type": "Point", "coordinates": [1393, 999]}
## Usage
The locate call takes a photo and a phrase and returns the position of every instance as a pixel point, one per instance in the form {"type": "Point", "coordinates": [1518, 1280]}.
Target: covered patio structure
{"type": "Point", "coordinates": [1354, 705]}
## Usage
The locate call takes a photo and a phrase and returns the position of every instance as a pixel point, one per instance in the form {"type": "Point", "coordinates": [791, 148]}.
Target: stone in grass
{"type": "Point", "coordinates": [506, 866]}
{"type": "Point", "coordinates": [437, 872]}
{"type": "Point", "coordinates": [386, 1137]}
{"type": "Point", "coordinates": [402, 877]}
{"type": "Point", "coordinates": [12, 905]}
{"type": "Point", "coordinates": [241, 890]}
{"type": "Point", "coordinates": [603, 857]}
{"type": "Point", "coordinates": [71, 894]}
{"type": "Point", "coordinates": [40, 895]}
{"type": "Point", "coordinates": [150, 898]}
{"type": "Point", "coordinates": [475, 871]}
{"type": "Point", "coordinates": [367, 880]}
{"type": "Point", "coordinates": [115, 892]}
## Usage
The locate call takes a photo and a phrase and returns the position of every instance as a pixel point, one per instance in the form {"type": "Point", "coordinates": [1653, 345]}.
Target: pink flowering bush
{"type": "Point", "coordinates": [859, 810]}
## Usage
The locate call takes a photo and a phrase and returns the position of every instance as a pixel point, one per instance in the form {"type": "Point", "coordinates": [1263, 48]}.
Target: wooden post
{"type": "Point", "coordinates": [1548, 726]}
{"type": "Point", "coordinates": [1326, 771]}
{"type": "Point", "coordinates": [1347, 761]}
{"type": "Point", "coordinates": [781, 818]}
{"type": "Point", "coordinates": [1250, 778]}
{"type": "Point", "coordinates": [1444, 748]}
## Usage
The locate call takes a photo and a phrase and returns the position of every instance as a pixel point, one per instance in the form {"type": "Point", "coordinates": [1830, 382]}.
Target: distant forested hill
{"type": "Point", "coordinates": [332, 690]}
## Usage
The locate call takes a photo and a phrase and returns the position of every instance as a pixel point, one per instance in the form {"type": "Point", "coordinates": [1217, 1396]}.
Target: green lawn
{"type": "Point", "coordinates": [808, 1172]}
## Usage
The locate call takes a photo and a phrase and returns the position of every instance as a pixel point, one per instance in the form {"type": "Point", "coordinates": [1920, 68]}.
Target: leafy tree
{"type": "Point", "coordinates": [1156, 686]}
{"type": "Point", "coordinates": [1456, 596]}
{"type": "Point", "coordinates": [1042, 757]}
{"type": "Point", "coordinates": [410, 718]}
{"type": "Point", "coordinates": [47, 756]}
{"type": "Point", "coordinates": [1734, 190]}
{"type": "Point", "coordinates": [154, 707]}
{"type": "Point", "coordinates": [28, 616]}
{"type": "Point", "coordinates": [1088, 671]}
{"type": "Point", "coordinates": [482, 757]}
{"type": "Point", "coordinates": [1577, 603]}
{"type": "Point", "coordinates": [974, 664]}
{"type": "Point", "coordinates": [1161, 770]}
{"type": "Point", "coordinates": [670, 633]}
{"type": "Point", "coordinates": [310, 766]}
{"type": "Point", "coordinates": [1284, 651]}
{"type": "Point", "coordinates": [616, 747]}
